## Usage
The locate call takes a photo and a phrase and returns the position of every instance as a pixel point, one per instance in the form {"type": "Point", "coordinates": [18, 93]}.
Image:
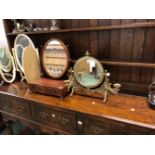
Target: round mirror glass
{"type": "Point", "coordinates": [55, 58]}
{"type": "Point", "coordinates": [88, 72]}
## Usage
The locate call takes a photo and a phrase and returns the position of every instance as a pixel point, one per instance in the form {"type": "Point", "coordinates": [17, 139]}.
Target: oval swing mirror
{"type": "Point", "coordinates": [88, 72]}
{"type": "Point", "coordinates": [7, 66]}
{"type": "Point", "coordinates": [5, 62]}
{"type": "Point", "coordinates": [22, 41]}
{"type": "Point", "coordinates": [55, 58]}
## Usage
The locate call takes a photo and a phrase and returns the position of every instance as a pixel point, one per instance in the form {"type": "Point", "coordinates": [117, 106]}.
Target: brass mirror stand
{"type": "Point", "coordinates": [101, 92]}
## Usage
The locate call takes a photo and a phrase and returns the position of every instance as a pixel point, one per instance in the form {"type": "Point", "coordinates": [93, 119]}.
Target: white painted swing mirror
{"type": "Point", "coordinates": [21, 44]}
{"type": "Point", "coordinates": [7, 66]}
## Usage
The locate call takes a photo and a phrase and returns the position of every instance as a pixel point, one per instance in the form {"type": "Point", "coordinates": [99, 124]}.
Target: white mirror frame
{"type": "Point", "coordinates": [19, 67]}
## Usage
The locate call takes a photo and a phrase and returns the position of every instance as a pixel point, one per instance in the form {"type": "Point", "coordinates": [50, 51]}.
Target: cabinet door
{"type": "Point", "coordinates": [56, 119]}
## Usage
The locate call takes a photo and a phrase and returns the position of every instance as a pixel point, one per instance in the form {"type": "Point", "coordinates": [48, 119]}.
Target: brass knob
{"type": "Point", "coordinates": [80, 123]}
{"type": "Point", "coordinates": [53, 115]}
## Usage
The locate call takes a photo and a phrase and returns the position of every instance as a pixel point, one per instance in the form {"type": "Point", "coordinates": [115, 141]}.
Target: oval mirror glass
{"type": "Point", "coordinates": [55, 58]}
{"type": "Point", "coordinates": [88, 72]}
{"type": "Point", "coordinates": [18, 55]}
{"type": "Point", "coordinates": [7, 66]}
{"type": "Point", "coordinates": [5, 60]}
{"type": "Point", "coordinates": [23, 40]}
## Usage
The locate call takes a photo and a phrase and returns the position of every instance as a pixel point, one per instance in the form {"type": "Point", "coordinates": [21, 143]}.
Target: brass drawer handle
{"type": "Point", "coordinates": [80, 123]}
{"type": "Point", "coordinates": [53, 115]}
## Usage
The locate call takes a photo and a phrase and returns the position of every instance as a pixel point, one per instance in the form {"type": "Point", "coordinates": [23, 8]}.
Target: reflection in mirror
{"type": "Point", "coordinates": [18, 56]}
{"type": "Point", "coordinates": [5, 62]}
{"type": "Point", "coordinates": [23, 40]}
{"type": "Point", "coordinates": [88, 72]}
{"type": "Point", "coordinates": [7, 66]}
{"type": "Point", "coordinates": [19, 53]}
{"type": "Point", "coordinates": [55, 58]}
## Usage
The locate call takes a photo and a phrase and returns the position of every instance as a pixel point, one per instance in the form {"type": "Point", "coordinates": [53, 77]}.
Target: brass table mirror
{"type": "Point", "coordinates": [89, 78]}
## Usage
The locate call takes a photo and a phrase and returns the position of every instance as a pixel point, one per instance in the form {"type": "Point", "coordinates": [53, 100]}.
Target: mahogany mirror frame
{"type": "Point", "coordinates": [67, 58]}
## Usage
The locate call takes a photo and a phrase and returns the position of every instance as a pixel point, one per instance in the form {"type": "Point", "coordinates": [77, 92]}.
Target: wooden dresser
{"type": "Point", "coordinates": [122, 114]}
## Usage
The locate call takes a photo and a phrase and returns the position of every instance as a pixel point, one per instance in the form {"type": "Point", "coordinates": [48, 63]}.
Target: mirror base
{"type": "Point", "coordinates": [100, 92]}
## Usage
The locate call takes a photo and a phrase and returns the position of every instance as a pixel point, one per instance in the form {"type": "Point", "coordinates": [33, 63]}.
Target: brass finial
{"type": "Point", "coordinates": [87, 53]}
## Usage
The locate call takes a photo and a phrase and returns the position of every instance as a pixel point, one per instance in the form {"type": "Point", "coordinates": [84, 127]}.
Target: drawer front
{"type": "Point", "coordinates": [92, 127]}
{"type": "Point", "coordinates": [110, 127]}
{"type": "Point", "coordinates": [54, 118]}
{"type": "Point", "coordinates": [17, 107]}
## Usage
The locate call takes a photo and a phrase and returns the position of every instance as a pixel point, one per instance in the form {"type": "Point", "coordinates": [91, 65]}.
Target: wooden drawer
{"type": "Point", "coordinates": [16, 107]}
{"type": "Point", "coordinates": [112, 127]}
{"type": "Point", "coordinates": [93, 127]}
{"type": "Point", "coordinates": [63, 121]}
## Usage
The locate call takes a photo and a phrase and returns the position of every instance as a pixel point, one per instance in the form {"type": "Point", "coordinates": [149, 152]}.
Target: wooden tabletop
{"type": "Point", "coordinates": [126, 108]}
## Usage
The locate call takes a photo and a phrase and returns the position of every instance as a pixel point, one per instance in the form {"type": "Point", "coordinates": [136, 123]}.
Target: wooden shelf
{"type": "Point", "coordinates": [96, 28]}
{"type": "Point", "coordinates": [128, 64]}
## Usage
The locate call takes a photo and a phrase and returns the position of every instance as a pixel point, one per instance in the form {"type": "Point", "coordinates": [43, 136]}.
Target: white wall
{"type": "Point", "coordinates": [3, 41]}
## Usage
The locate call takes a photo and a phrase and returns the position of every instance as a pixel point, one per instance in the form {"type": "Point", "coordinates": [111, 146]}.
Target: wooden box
{"type": "Point", "coordinates": [49, 87]}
